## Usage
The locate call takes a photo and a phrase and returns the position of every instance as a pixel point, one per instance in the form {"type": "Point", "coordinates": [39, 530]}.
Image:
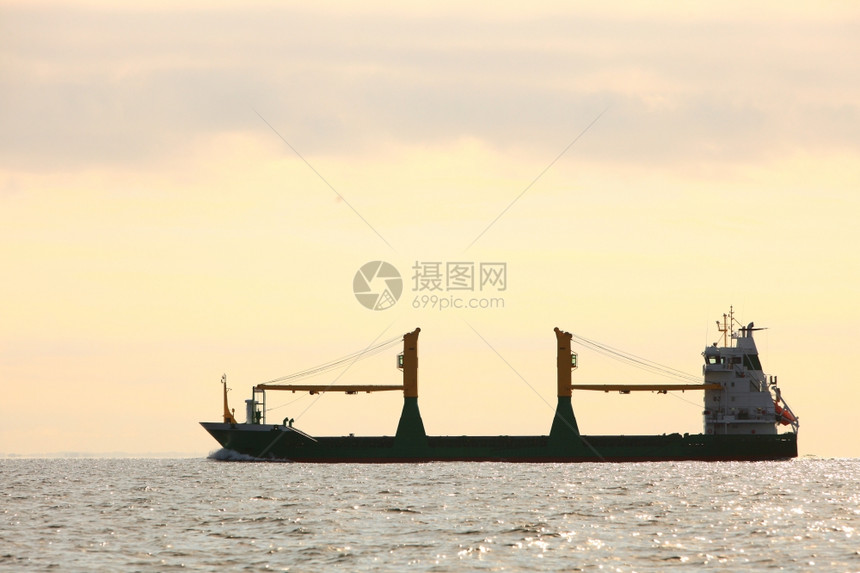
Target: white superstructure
{"type": "Point", "coordinates": [747, 402]}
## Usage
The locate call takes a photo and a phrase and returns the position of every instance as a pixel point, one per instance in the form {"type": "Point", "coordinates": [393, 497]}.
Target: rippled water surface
{"type": "Point", "coordinates": [202, 514]}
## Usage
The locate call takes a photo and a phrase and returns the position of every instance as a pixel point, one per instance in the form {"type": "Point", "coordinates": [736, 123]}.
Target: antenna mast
{"type": "Point", "coordinates": [726, 326]}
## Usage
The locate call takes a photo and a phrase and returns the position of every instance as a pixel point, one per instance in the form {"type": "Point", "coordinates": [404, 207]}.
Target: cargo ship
{"type": "Point", "coordinates": [743, 414]}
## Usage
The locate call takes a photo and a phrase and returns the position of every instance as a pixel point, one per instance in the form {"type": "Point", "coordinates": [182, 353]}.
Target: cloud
{"type": "Point", "coordinates": [87, 87]}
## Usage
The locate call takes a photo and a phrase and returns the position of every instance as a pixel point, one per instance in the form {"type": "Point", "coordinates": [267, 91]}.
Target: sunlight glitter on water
{"type": "Point", "coordinates": [154, 515]}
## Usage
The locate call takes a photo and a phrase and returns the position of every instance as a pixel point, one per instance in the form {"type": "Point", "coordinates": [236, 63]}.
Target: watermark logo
{"type": "Point", "coordinates": [437, 285]}
{"type": "Point", "coordinates": [377, 285]}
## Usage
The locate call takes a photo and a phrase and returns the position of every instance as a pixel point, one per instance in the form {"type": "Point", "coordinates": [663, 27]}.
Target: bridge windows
{"type": "Point", "coordinates": [751, 362]}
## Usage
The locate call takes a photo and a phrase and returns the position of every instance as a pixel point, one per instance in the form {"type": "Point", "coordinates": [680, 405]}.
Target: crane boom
{"type": "Point", "coordinates": [626, 388]}
{"type": "Point", "coordinates": [319, 388]}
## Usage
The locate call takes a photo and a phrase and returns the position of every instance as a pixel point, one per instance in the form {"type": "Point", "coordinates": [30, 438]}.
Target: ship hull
{"type": "Point", "coordinates": [270, 442]}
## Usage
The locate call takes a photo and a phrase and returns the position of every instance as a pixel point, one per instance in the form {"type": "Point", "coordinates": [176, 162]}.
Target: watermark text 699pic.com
{"type": "Point", "coordinates": [443, 282]}
{"type": "Point", "coordinates": [435, 302]}
{"type": "Point", "coordinates": [438, 285]}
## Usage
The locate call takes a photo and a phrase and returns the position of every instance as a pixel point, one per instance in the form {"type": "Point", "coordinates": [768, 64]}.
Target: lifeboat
{"type": "Point", "coordinates": [783, 416]}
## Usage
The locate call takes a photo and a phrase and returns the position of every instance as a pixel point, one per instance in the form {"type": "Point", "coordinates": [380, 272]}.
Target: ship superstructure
{"type": "Point", "coordinates": [742, 399]}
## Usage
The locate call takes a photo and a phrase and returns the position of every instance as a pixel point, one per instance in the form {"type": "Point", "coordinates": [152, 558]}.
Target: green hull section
{"type": "Point", "coordinates": [267, 442]}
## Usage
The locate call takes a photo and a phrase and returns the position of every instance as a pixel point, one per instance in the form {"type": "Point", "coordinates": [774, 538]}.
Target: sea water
{"type": "Point", "coordinates": [207, 515]}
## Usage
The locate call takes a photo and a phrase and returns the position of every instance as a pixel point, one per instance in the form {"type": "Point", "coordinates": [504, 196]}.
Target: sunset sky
{"type": "Point", "coordinates": [190, 192]}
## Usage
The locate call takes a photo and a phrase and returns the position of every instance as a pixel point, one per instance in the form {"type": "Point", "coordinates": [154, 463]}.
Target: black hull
{"type": "Point", "coordinates": [267, 442]}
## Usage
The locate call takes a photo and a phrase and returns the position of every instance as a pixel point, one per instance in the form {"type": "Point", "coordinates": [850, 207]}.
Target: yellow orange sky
{"type": "Point", "coordinates": [157, 230]}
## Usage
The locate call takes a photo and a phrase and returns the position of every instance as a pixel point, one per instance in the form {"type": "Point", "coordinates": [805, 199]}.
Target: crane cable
{"type": "Point", "coordinates": [641, 363]}
{"type": "Point", "coordinates": [636, 361]}
{"type": "Point", "coordinates": [349, 358]}
{"type": "Point", "coordinates": [346, 361]}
